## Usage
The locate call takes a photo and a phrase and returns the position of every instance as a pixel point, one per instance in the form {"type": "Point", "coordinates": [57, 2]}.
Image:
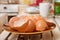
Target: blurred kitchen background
{"type": "Point", "coordinates": [10, 8]}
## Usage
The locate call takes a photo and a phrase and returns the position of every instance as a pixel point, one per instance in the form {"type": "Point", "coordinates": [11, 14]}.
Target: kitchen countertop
{"type": "Point", "coordinates": [45, 36]}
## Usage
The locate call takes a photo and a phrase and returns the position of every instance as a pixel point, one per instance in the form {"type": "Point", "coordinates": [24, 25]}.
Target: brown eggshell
{"type": "Point", "coordinates": [27, 24]}
{"type": "Point", "coordinates": [36, 18]}
{"type": "Point", "coordinates": [21, 27]}
{"type": "Point", "coordinates": [30, 27]}
{"type": "Point", "coordinates": [41, 25]}
{"type": "Point", "coordinates": [12, 20]}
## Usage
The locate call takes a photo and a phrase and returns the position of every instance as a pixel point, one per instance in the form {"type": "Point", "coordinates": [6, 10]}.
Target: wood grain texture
{"type": "Point", "coordinates": [3, 2]}
{"type": "Point", "coordinates": [3, 35]}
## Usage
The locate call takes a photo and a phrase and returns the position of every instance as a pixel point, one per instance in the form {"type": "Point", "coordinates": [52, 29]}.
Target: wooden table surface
{"type": "Point", "coordinates": [54, 35]}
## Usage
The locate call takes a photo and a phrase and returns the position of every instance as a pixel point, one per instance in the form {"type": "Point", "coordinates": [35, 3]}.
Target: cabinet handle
{"type": "Point", "coordinates": [5, 7]}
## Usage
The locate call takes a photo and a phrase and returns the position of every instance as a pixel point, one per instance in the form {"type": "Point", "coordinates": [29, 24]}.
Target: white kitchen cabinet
{"type": "Point", "coordinates": [8, 8]}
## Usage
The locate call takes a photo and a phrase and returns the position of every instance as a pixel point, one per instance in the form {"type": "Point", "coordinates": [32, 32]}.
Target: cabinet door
{"type": "Point", "coordinates": [8, 8]}
{"type": "Point", "coordinates": [12, 8]}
